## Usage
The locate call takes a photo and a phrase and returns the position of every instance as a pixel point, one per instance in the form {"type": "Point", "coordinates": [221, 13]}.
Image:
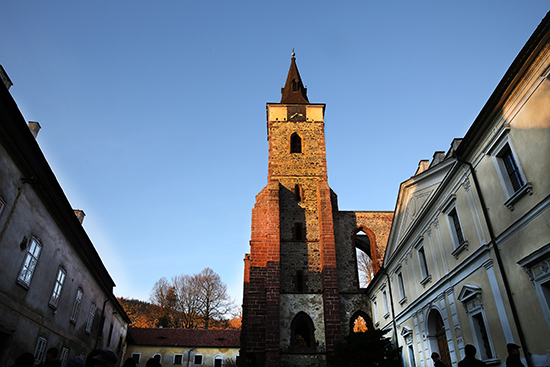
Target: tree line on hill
{"type": "Point", "coordinates": [185, 301]}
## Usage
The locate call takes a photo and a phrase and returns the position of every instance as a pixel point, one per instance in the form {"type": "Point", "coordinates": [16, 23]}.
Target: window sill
{"type": "Point", "coordinates": [525, 189]}
{"type": "Point", "coordinates": [387, 315]}
{"type": "Point", "coordinates": [492, 361]}
{"type": "Point", "coordinates": [403, 300]}
{"type": "Point", "coordinates": [426, 280]}
{"type": "Point", "coordinates": [377, 324]}
{"type": "Point", "coordinates": [23, 284]}
{"type": "Point", "coordinates": [463, 246]}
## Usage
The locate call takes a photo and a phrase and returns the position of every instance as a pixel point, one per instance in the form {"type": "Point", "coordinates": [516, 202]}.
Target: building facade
{"type": "Point", "coordinates": [468, 253]}
{"type": "Point", "coordinates": [187, 347]}
{"type": "Point", "coordinates": [301, 289]}
{"type": "Point", "coordinates": [55, 291]}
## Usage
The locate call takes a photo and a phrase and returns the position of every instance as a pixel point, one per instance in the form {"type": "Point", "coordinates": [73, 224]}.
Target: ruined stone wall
{"type": "Point", "coordinates": [377, 225]}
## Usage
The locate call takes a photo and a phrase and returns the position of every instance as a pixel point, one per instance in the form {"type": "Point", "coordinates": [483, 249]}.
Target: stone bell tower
{"type": "Point", "coordinates": [292, 309]}
{"type": "Point", "coordinates": [291, 296]}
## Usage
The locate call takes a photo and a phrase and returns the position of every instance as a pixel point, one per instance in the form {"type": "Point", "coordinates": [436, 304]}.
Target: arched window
{"type": "Point", "coordinates": [295, 143]}
{"type": "Point", "coordinates": [302, 337]}
{"type": "Point", "coordinates": [360, 322]}
{"type": "Point", "coordinates": [366, 267]}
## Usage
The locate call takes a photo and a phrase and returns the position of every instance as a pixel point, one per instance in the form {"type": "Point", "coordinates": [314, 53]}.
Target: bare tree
{"type": "Point", "coordinates": [164, 295]}
{"type": "Point", "coordinates": [214, 300]}
{"type": "Point", "coordinates": [188, 300]}
{"type": "Point", "coordinates": [365, 268]}
{"type": "Point", "coordinates": [191, 300]}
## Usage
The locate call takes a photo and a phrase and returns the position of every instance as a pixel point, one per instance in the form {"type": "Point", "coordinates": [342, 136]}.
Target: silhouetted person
{"type": "Point", "coordinates": [153, 362]}
{"type": "Point", "coordinates": [513, 359]}
{"type": "Point", "coordinates": [76, 362]}
{"type": "Point", "coordinates": [51, 358]}
{"type": "Point", "coordinates": [470, 359]}
{"type": "Point", "coordinates": [24, 360]}
{"type": "Point", "coordinates": [129, 362]}
{"type": "Point", "coordinates": [101, 358]}
{"type": "Point", "coordinates": [437, 361]}
{"type": "Point", "coordinates": [251, 361]}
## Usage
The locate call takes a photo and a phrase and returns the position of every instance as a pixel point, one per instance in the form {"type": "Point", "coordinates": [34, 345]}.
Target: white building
{"type": "Point", "coordinates": [467, 260]}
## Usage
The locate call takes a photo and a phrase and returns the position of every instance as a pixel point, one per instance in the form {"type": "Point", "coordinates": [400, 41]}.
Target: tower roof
{"type": "Point", "coordinates": [294, 90]}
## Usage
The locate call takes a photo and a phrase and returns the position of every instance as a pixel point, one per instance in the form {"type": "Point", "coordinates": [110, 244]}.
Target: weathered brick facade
{"type": "Point", "coordinates": [301, 287]}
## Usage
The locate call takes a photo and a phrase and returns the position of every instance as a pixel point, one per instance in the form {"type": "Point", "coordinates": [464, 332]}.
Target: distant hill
{"type": "Point", "coordinates": [147, 315]}
{"type": "Point", "coordinates": [142, 314]}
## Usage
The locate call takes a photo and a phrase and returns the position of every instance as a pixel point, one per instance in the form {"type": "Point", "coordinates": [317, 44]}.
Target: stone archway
{"type": "Point", "coordinates": [437, 336]}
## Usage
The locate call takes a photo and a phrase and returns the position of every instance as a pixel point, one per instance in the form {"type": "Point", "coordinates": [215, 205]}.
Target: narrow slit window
{"type": "Point", "coordinates": [295, 143]}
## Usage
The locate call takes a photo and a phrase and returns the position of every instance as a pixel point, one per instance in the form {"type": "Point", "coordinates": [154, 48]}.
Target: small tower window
{"type": "Point", "coordinates": [298, 193]}
{"type": "Point", "coordinates": [298, 231]}
{"type": "Point", "coordinates": [300, 281]}
{"type": "Point", "coordinates": [295, 143]}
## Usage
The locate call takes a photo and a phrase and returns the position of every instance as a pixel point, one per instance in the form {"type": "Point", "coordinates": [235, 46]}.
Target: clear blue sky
{"type": "Point", "coordinates": [153, 112]}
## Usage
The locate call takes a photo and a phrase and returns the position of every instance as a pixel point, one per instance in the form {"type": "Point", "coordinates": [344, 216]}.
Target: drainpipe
{"type": "Point", "coordinates": [499, 261]}
{"type": "Point", "coordinates": [189, 355]}
{"type": "Point", "coordinates": [393, 317]}
{"type": "Point", "coordinates": [100, 331]}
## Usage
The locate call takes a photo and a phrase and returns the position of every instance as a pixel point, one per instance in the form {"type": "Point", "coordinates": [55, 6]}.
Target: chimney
{"type": "Point", "coordinates": [34, 127]}
{"type": "Point", "coordinates": [5, 78]}
{"type": "Point", "coordinates": [79, 215]}
{"type": "Point", "coordinates": [422, 166]}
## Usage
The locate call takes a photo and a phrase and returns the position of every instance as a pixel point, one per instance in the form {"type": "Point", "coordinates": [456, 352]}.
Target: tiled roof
{"type": "Point", "coordinates": [184, 337]}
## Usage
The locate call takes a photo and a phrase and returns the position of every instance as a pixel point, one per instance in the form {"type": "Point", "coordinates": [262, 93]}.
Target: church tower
{"type": "Point", "coordinates": [290, 306]}
{"type": "Point", "coordinates": [301, 287]}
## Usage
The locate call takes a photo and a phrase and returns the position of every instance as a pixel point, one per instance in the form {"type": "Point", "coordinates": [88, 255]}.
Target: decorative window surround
{"type": "Point", "coordinates": [527, 188]}
{"type": "Point", "coordinates": [537, 267]}
{"type": "Point", "coordinates": [407, 335]}
{"type": "Point", "coordinates": [471, 299]}
{"type": "Point", "coordinates": [426, 280]}
{"type": "Point", "coordinates": [455, 228]}
{"type": "Point", "coordinates": [500, 148]}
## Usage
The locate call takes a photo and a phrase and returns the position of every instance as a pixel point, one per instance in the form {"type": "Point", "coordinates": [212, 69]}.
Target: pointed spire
{"type": "Point", "coordinates": [294, 90]}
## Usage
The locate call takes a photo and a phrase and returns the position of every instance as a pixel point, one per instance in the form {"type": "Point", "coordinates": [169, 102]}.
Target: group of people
{"type": "Point", "coordinates": [96, 358]}
{"type": "Point", "coordinates": [470, 359]}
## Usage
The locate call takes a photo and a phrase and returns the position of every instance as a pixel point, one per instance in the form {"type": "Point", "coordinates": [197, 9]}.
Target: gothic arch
{"type": "Point", "coordinates": [302, 337]}
{"type": "Point", "coordinates": [372, 251]}
{"type": "Point", "coordinates": [355, 316]}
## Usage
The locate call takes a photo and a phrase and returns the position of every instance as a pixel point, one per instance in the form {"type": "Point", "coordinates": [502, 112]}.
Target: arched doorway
{"type": "Point", "coordinates": [438, 337]}
{"type": "Point", "coordinates": [302, 337]}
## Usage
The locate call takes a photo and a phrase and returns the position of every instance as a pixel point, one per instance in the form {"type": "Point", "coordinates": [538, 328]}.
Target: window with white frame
{"type": "Point", "coordinates": [538, 271]}
{"type": "Point", "coordinates": [136, 357]}
{"type": "Point", "coordinates": [40, 350]}
{"type": "Point", "coordinates": [424, 272]}
{"type": "Point", "coordinates": [90, 321]}
{"type": "Point", "coordinates": [401, 286]}
{"type": "Point", "coordinates": [178, 358]}
{"type": "Point", "coordinates": [198, 359]}
{"type": "Point", "coordinates": [64, 356]}
{"type": "Point", "coordinates": [29, 264]}
{"type": "Point", "coordinates": [375, 311]}
{"type": "Point", "coordinates": [455, 228]}
{"type": "Point", "coordinates": [471, 299]}
{"type": "Point", "coordinates": [76, 306]}
{"type": "Point", "coordinates": [385, 300]}
{"type": "Point", "coordinates": [509, 171]}
{"type": "Point", "coordinates": [218, 361]}
{"type": "Point", "coordinates": [58, 286]}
